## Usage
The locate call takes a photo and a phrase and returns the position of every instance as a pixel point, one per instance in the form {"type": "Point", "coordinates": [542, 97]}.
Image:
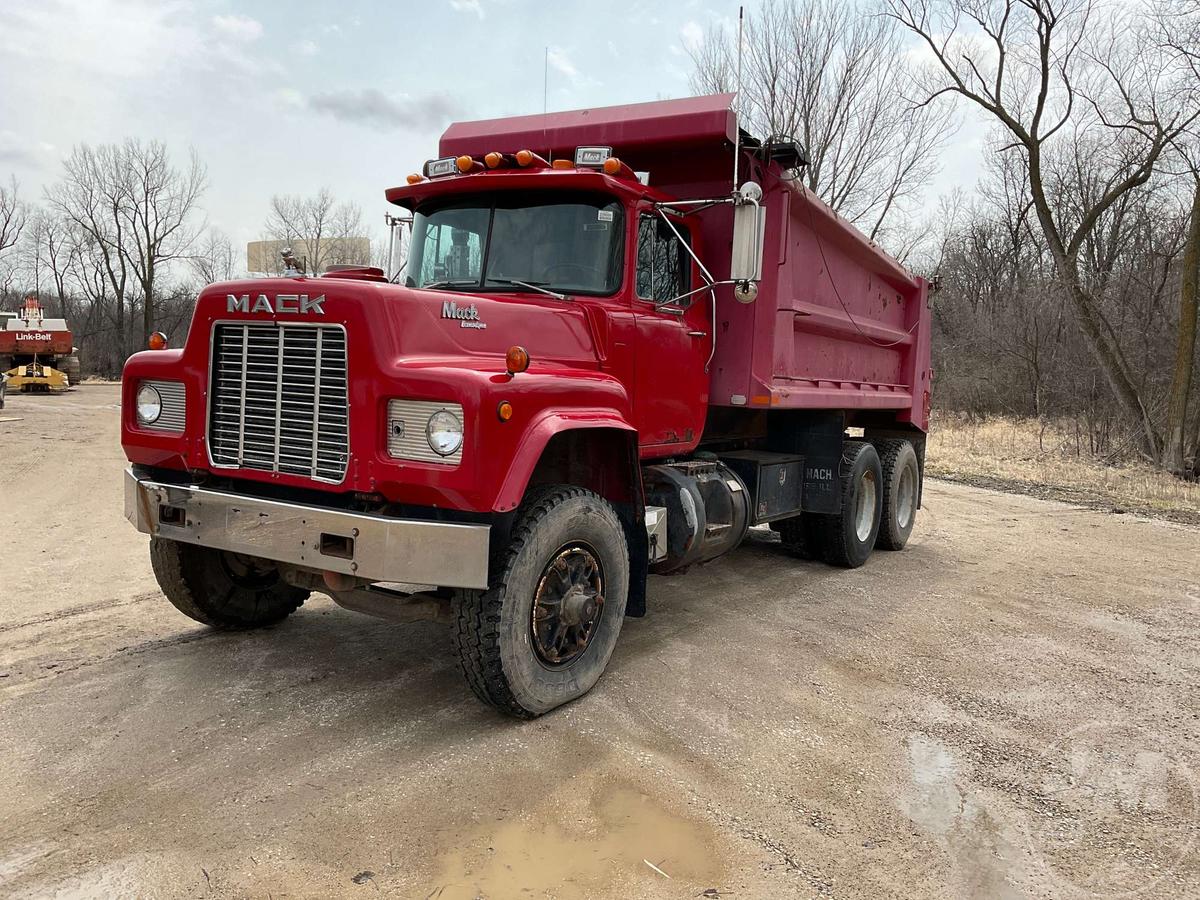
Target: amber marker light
{"type": "Point", "coordinates": [516, 359]}
{"type": "Point", "coordinates": [563, 164]}
{"type": "Point", "coordinates": [414, 178]}
{"type": "Point", "coordinates": [524, 157]}
{"type": "Point", "coordinates": [494, 160]}
{"type": "Point", "coordinates": [612, 166]}
{"type": "Point", "coordinates": [465, 164]}
{"type": "Point", "coordinates": [158, 341]}
{"type": "Point", "coordinates": [504, 411]}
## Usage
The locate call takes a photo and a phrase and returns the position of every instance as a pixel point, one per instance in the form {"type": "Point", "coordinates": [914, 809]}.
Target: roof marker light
{"type": "Point", "coordinates": [526, 158]}
{"type": "Point", "coordinates": [613, 166]}
{"type": "Point", "coordinates": [494, 160]}
{"type": "Point", "coordinates": [414, 178]}
{"type": "Point", "coordinates": [563, 164]}
{"type": "Point", "coordinates": [465, 164]}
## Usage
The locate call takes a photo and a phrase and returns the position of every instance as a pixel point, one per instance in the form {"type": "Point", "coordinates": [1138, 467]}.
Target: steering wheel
{"type": "Point", "coordinates": [578, 267]}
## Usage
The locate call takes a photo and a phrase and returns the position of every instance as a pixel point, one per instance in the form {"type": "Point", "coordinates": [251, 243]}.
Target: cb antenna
{"type": "Point", "coordinates": [546, 101]}
{"type": "Point", "coordinates": [737, 103]}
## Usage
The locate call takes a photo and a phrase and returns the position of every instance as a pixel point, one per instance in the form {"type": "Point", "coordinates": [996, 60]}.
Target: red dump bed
{"type": "Point", "coordinates": [838, 324]}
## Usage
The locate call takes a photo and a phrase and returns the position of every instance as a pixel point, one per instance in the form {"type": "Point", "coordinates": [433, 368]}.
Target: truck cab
{"type": "Point", "coordinates": [597, 362]}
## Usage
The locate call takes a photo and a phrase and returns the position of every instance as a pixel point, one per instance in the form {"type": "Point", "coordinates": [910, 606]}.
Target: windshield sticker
{"type": "Point", "coordinates": [604, 215]}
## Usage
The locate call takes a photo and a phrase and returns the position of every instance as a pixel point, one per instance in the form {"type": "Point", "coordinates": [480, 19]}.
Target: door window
{"type": "Point", "coordinates": [663, 272]}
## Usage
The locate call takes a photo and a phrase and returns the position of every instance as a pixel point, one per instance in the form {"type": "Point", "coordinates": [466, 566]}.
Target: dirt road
{"type": "Point", "coordinates": [1008, 708]}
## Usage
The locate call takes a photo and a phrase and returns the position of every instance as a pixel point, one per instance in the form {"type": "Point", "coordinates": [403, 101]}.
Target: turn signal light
{"type": "Point", "coordinates": [516, 359]}
{"type": "Point", "coordinates": [158, 341]}
{"type": "Point", "coordinates": [504, 411]}
{"type": "Point", "coordinates": [465, 164]}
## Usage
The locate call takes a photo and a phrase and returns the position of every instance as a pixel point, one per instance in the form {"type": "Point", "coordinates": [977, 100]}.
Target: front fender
{"type": "Point", "coordinates": [549, 423]}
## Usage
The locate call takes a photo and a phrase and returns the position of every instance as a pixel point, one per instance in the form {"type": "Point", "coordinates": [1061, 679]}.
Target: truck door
{"type": "Point", "coordinates": [674, 341]}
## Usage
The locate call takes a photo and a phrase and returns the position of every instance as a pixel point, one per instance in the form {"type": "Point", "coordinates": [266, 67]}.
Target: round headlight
{"type": "Point", "coordinates": [149, 404]}
{"type": "Point", "coordinates": [445, 433]}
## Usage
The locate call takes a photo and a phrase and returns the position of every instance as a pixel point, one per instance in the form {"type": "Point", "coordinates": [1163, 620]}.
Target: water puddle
{"type": "Point", "coordinates": [620, 838]}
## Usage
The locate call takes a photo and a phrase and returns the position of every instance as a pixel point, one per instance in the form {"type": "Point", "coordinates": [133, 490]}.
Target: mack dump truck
{"type": "Point", "coordinates": [607, 356]}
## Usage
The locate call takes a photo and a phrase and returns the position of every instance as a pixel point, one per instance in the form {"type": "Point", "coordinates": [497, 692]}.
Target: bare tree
{"type": "Point", "coordinates": [1179, 33]}
{"type": "Point", "coordinates": [829, 74]}
{"type": "Point", "coordinates": [132, 215]}
{"type": "Point", "coordinates": [160, 207]}
{"type": "Point", "coordinates": [1066, 81]}
{"type": "Point", "coordinates": [92, 198]}
{"type": "Point", "coordinates": [12, 215]}
{"type": "Point", "coordinates": [214, 259]}
{"type": "Point", "coordinates": [321, 231]}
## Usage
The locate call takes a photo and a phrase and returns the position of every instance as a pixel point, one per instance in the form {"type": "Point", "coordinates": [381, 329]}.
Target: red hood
{"type": "Point", "coordinates": [405, 325]}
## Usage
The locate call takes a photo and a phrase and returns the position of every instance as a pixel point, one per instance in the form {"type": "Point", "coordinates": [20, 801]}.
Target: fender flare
{"type": "Point", "coordinates": [529, 452]}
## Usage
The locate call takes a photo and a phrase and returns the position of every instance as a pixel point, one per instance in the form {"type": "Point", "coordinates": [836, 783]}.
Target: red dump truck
{"type": "Point", "coordinates": [606, 357]}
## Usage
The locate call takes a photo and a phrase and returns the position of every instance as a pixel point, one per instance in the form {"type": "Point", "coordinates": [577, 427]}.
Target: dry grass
{"type": "Point", "coordinates": [1040, 458]}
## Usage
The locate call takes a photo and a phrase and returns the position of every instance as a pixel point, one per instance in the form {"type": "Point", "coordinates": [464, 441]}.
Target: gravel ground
{"type": "Point", "coordinates": [1008, 708]}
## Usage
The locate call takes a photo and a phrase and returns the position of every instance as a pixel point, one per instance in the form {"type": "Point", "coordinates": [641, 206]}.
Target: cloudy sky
{"type": "Point", "coordinates": [288, 97]}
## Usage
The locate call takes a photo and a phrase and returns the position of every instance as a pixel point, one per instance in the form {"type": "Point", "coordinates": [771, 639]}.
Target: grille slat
{"type": "Point", "coordinates": [278, 399]}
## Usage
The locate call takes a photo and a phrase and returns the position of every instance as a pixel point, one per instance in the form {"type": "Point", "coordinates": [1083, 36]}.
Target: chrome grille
{"type": "Point", "coordinates": [278, 399]}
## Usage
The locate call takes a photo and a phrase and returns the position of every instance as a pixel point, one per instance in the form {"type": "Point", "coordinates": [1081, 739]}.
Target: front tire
{"type": "Point", "coordinates": [543, 633]}
{"type": "Point", "coordinates": [849, 536]}
{"type": "Point", "coordinates": [221, 589]}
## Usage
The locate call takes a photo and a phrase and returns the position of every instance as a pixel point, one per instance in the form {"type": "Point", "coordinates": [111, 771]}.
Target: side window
{"type": "Point", "coordinates": [663, 271]}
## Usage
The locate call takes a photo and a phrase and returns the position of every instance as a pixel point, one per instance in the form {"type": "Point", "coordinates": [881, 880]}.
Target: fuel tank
{"type": "Point", "coordinates": [708, 511]}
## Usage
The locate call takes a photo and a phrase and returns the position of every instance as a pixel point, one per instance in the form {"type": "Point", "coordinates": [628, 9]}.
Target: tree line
{"type": "Point", "coordinates": [119, 245]}
{"type": "Point", "coordinates": [1068, 275]}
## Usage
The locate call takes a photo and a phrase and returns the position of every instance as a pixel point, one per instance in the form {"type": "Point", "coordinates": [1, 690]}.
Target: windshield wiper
{"type": "Point", "coordinates": [435, 285]}
{"type": "Point", "coordinates": [533, 286]}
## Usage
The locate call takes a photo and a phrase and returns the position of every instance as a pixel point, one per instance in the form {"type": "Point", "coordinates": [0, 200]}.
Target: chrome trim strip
{"type": "Point", "coordinates": [409, 551]}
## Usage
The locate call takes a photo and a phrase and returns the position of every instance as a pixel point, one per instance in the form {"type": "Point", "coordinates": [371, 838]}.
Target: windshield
{"type": "Point", "coordinates": [571, 244]}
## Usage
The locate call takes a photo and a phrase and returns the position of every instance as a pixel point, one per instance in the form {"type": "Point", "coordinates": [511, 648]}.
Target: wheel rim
{"type": "Point", "coordinates": [567, 605]}
{"type": "Point", "coordinates": [906, 497]}
{"type": "Point", "coordinates": [864, 506]}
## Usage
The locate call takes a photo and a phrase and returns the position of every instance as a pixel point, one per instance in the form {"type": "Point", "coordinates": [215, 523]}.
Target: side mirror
{"type": "Point", "coordinates": [749, 231]}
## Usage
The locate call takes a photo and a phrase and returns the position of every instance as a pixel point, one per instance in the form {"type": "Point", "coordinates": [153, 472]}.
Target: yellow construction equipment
{"type": "Point", "coordinates": [33, 377]}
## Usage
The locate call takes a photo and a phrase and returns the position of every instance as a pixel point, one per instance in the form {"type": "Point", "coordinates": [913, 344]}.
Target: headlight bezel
{"type": "Point", "coordinates": [456, 429]}
{"type": "Point", "coordinates": [407, 431]}
{"type": "Point", "coordinates": [139, 404]}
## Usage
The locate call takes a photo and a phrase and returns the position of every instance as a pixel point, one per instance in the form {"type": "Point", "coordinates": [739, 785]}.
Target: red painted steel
{"type": "Point", "coordinates": [837, 323]}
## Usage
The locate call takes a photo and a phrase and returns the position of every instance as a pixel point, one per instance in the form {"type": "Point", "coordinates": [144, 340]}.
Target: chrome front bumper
{"type": "Point", "coordinates": [376, 548]}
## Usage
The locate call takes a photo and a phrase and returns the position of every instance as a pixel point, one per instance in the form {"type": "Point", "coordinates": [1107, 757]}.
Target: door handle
{"type": "Point", "coordinates": [697, 334]}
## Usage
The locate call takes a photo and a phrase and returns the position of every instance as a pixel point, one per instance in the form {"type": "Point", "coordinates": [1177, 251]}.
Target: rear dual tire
{"type": "Point", "coordinates": [880, 486]}
{"type": "Point", "coordinates": [901, 493]}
